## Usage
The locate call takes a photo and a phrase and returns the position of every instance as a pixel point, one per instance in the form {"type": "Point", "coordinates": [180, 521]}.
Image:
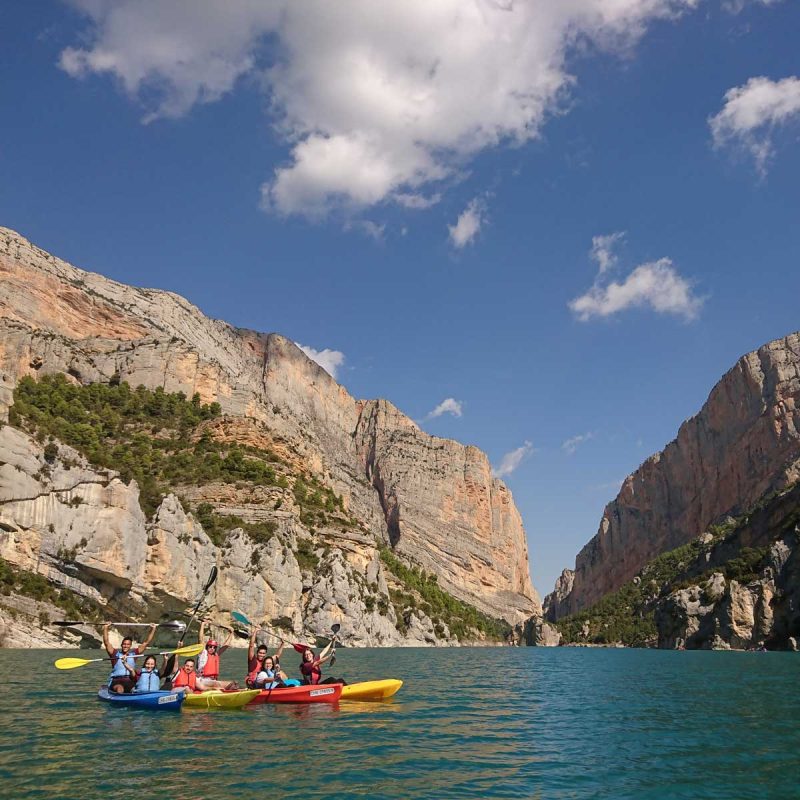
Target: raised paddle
{"type": "Point", "coordinates": [241, 618]}
{"type": "Point", "coordinates": [212, 576]}
{"type": "Point", "coordinates": [174, 625]}
{"type": "Point", "coordinates": [335, 628]}
{"type": "Point", "coordinates": [187, 652]}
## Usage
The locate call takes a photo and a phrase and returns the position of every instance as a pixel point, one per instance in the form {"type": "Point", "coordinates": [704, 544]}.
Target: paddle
{"type": "Point", "coordinates": [188, 652]}
{"type": "Point", "coordinates": [174, 625]}
{"type": "Point", "coordinates": [241, 618]}
{"type": "Point", "coordinates": [212, 576]}
{"type": "Point", "coordinates": [335, 628]}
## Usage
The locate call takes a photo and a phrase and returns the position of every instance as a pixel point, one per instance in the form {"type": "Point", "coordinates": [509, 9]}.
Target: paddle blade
{"type": "Point", "coordinates": [190, 651]}
{"type": "Point", "coordinates": [241, 618]}
{"type": "Point", "coordinates": [336, 627]}
{"type": "Point", "coordinates": [72, 663]}
{"type": "Point", "coordinates": [301, 648]}
{"type": "Point", "coordinates": [66, 623]}
{"type": "Point", "coordinates": [212, 576]}
{"type": "Point", "coordinates": [174, 625]}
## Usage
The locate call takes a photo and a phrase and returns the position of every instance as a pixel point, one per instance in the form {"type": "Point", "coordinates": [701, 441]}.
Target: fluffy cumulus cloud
{"type": "Point", "coordinates": [656, 285]}
{"type": "Point", "coordinates": [329, 360]}
{"type": "Point", "coordinates": [377, 101]}
{"type": "Point", "coordinates": [751, 114]}
{"type": "Point", "coordinates": [573, 443]}
{"type": "Point", "coordinates": [512, 460]}
{"type": "Point", "coordinates": [468, 224]}
{"type": "Point", "coordinates": [448, 406]}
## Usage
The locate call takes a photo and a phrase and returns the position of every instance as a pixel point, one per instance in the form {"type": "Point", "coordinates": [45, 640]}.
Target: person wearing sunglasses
{"type": "Point", "coordinates": [208, 663]}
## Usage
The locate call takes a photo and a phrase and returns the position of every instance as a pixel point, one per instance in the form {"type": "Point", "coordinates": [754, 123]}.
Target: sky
{"type": "Point", "coordinates": [546, 229]}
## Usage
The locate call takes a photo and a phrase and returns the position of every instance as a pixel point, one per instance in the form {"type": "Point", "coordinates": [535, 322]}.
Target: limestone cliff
{"type": "Point", "coordinates": [743, 444]}
{"type": "Point", "coordinates": [433, 502]}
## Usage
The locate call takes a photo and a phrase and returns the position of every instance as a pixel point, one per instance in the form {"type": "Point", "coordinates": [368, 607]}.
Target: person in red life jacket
{"type": "Point", "coordinates": [311, 666]}
{"type": "Point", "coordinates": [122, 660]}
{"type": "Point", "coordinates": [208, 663]}
{"type": "Point", "coordinates": [255, 659]}
{"type": "Point", "coordinates": [186, 678]}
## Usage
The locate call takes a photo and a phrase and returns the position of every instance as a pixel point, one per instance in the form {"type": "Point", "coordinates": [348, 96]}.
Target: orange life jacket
{"type": "Point", "coordinates": [184, 678]}
{"type": "Point", "coordinates": [211, 667]}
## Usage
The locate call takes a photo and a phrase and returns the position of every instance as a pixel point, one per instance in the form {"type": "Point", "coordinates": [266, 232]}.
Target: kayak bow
{"type": "Point", "coordinates": [371, 690]}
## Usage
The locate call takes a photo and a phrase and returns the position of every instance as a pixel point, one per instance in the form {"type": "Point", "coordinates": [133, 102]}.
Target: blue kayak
{"type": "Point", "coordinates": [157, 701]}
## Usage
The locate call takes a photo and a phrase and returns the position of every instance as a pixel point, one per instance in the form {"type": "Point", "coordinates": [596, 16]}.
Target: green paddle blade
{"type": "Point", "coordinates": [239, 617]}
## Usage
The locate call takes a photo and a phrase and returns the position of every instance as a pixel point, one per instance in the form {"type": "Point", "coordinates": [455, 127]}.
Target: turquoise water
{"type": "Point", "coordinates": [522, 723]}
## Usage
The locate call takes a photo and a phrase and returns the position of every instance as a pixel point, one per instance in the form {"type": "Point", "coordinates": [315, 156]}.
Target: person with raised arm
{"type": "Point", "coordinates": [311, 665]}
{"type": "Point", "coordinates": [122, 660]}
{"type": "Point", "coordinates": [208, 663]}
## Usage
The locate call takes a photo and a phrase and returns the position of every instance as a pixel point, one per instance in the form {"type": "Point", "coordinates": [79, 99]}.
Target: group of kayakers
{"type": "Point", "coordinates": [203, 674]}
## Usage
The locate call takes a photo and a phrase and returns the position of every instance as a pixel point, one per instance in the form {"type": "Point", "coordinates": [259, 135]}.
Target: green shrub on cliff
{"type": "Point", "coordinates": [463, 620]}
{"type": "Point", "coordinates": [29, 584]}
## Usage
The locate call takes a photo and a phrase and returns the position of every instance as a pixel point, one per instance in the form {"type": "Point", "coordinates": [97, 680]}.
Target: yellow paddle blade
{"type": "Point", "coordinates": [71, 663]}
{"type": "Point", "coordinates": [189, 651]}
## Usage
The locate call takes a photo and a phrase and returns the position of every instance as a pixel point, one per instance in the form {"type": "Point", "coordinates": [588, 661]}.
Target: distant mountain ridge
{"type": "Point", "coordinates": [432, 503]}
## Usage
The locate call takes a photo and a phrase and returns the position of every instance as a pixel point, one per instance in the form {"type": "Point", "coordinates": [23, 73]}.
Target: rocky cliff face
{"type": "Point", "coordinates": [433, 501]}
{"type": "Point", "coordinates": [743, 444]}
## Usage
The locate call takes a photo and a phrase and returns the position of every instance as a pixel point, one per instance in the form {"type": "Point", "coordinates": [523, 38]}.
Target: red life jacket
{"type": "Point", "coordinates": [211, 667]}
{"type": "Point", "coordinates": [251, 676]}
{"type": "Point", "coordinates": [183, 678]}
{"type": "Point", "coordinates": [311, 672]}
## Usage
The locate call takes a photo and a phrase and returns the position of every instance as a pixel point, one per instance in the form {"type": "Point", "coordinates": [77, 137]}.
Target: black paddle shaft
{"type": "Point", "coordinates": [212, 576]}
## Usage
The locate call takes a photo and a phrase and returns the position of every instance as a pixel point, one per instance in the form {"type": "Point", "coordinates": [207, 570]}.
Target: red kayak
{"type": "Point", "coordinates": [322, 693]}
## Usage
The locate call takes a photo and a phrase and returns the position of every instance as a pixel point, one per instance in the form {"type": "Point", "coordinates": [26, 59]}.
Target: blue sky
{"type": "Point", "coordinates": [420, 191]}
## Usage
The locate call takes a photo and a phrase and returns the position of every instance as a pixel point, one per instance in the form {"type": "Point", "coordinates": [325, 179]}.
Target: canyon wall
{"type": "Point", "coordinates": [743, 444]}
{"type": "Point", "coordinates": [433, 502]}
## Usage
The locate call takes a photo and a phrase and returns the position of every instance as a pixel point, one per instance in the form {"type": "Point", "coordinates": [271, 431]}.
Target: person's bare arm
{"type": "Point", "coordinates": [279, 651]}
{"type": "Point", "coordinates": [227, 643]}
{"type": "Point", "coordinates": [146, 643]}
{"type": "Point", "coordinates": [328, 647]}
{"type": "Point", "coordinates": [107, 642]}
{"type": "Point", "coordinates": [251, 647]}
{"type": "Point", "coordinates": [202, 633]}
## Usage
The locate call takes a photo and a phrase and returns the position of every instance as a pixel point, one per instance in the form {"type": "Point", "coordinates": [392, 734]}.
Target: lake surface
{"type": "Point", "coordinates": [521, 723]}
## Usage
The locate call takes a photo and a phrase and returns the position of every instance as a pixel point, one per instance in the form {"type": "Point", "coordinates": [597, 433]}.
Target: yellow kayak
{"type": "Point", "coordinates": [371, 690]}
{"type": "Point", "coordinates": [218, 699]}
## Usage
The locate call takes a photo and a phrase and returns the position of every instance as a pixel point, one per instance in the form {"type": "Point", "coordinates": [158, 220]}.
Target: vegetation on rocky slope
{"type": "Point", "coordinates": [162, 441]}
{"type": "Point", "coordinates": [422, 591]}
{"type": "Point", "coordinates": [156, 438]}
{"type": "Point", "coordinates": [627, 615]}
{"type": "Point", "coordinates": [28, 584]}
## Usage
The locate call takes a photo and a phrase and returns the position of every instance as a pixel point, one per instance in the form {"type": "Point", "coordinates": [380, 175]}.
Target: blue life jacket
{"type": "Point", "coordinates": [148, 682]}
{"type": "Point", "coordinates": [118, 670]}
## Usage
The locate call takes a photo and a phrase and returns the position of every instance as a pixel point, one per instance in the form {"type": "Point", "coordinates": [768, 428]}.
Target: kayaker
{"type": "Point", "coordinates": [255, 659]}
{"type": "Point", "coordinates": [310, 667]}
{"type": "Point", "coordinates": [208, 663]}
{"type": "Point", "coordinates": [270, 675]}
{"type": "Point", "coordinates": [149, 679]}
{"type": "Point", "coordinates": [186, 677]}
{"type": "Point", "coordinates": [122, 658]}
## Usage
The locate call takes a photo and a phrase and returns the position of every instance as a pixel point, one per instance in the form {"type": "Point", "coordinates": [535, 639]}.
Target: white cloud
{"type": "Point", "coordinates": [376, 101]}
{"type": "Point", "coordinates": [736, 6]}
{"type": "Point", "coordinates": [512, 460]}
{"type": "Point", "coordinates": [752, 112]}
{"type": "Point", "coordinates": [329, 360]}
{"type": "Point", "coordinates": [572, 444]}
{"type": "Point", "coordinates": [602, 251]}
{"type": "Point", "coordinates": [657, 285]}
{"type": "Point", "coordinates": [469, 224]}
{"type": "Point", "coordinates": [448, 406]}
